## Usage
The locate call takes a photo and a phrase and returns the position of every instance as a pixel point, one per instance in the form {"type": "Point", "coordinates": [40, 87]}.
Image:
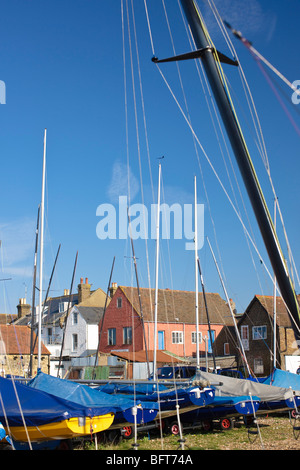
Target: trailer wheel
{"type": "Point", "coordinates": [127, 432]}
{"type": "Point", "coordinates": [207, 426]}
{"type": "Point", "coordinates": [174, 428]}
{"type": "Point", "coordinates": [226, 423]}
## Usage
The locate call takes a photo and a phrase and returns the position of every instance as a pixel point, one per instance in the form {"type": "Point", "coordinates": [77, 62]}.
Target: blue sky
{"type": "Point", "coordinates": [62, 65]}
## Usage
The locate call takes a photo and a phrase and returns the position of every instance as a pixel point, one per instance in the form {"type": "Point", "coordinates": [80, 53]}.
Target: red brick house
{"type": "Point", "coordinates": [122, 328]}
{"type": "Point", "coordinates": [256, 328]}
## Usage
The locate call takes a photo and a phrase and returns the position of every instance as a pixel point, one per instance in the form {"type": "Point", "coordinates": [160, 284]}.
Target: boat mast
{"type": "Point", "coordinates": [33, 292]}
{"type": "Point", "coordinates": [244, 358]}
{"type": "Point", "coordinates": [264, 220]}
{"type": "Point", "coordinates": [156, 275]}
{"type": "Point", "coordinates": [41, 255]}
{"type": "Point", "coordinates": [196, 278]}
{"type": "Point", "coordinates": [139, 295]}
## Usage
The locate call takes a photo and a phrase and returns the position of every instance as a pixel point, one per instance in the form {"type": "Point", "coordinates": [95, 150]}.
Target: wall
{"type": "Point", "coordinates": [186, 348]}
{"type": "Point", "coordinates": [119, 318]}
{"type": "Point", "coordinates": [19, 365]}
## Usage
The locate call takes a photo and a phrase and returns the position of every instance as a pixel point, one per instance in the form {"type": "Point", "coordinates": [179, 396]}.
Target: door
{"type": "Point", "coordinates": [161, 340]}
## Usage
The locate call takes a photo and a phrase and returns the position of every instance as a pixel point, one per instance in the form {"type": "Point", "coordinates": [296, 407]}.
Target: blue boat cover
{"type": "Point", "coordinates": [39, 407]}
{"type": "Point", "coordinates": [283, 378]}
{"type": "Point", "coordinates": [87, 396]}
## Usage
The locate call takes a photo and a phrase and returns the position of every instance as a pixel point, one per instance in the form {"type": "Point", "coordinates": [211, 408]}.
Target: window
{"type": "Point", "coordinates": [127, 335]}
{"type": "Point", "coordinates": [75, 318]}
{"type": "Point", "coordinates": [226, 349]}
{"type": "Point", "coordinates": [245, 337]}
{"type": "Point", "coordinates": [177, 337]}
{"type": "Point", "coordinates": [111, 334]}
{"type": "Point", "coordinates": [74, 342]}
{"type": "Point", "coordinates": [49, 335]}
{"type": "Point", "coordinates": [258, 366]}
{"type": "Point", "coordinates": [119, 302]}
{"type": "Point", "coordinates": [259, 332]}
{"type": "Point", "coordinates": [194, 337]}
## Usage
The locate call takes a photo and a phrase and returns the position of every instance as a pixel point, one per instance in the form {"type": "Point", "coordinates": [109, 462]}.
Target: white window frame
{"type": "Point", "coordinates": [258, 366]}
{"type": "Point", "coordinates": [177, 337]}
{"type": "Point", "coordinates": [127, 335]}
{"type": "Point", "coordinates": [111, 336]}
{"type": "Point", "coordinates": [259, 332]}
{"type": "Point", "coordinates": [74, 342]}
{"type": "Point", "coordinates": [74, 318]}
{"type": "Point", "coordinates": [194, 337]}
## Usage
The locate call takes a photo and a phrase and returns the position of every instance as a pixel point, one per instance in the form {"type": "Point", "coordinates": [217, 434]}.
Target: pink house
{"type": "Point", "coordinates": [129, 327]}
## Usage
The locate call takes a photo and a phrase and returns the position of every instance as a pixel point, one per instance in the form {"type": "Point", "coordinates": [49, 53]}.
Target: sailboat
{"type": "Point", "coordinates": [30, 415]}
{"type": "Point", "coordinates": [126, 411]}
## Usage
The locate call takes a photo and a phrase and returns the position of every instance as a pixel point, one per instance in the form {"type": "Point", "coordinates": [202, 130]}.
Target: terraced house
{"type": "Point", "coordinates": [128, 323]}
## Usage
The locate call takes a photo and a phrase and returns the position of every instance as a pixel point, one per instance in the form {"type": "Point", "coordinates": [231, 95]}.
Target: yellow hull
{"type": "Point", "coordinates": [67, 429]}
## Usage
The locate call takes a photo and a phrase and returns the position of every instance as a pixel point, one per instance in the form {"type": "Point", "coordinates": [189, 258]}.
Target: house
{"type": "Point", "coordinates": [256, 329]}
{"type": "Point", "coordinates": [15, 343]}
{"type": "Point", "coordinates": [81, 312]}
{"type": "Point", "coordinates": [127, 327]}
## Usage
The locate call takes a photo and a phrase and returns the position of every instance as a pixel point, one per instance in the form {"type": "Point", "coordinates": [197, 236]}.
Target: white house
{"type": "Point", "coordinates": [80, 341]}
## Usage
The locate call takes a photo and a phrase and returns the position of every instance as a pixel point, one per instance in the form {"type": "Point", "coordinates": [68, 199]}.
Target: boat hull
{"type": "Point", "coordinates": [66, 429]}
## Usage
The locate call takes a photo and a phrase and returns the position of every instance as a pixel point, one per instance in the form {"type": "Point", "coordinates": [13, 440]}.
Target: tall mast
{"type": "Point", "coordinates": [208, 55]}
{"type": "Point", "coordinates": [196, 278]}
{"type": "Point", "coordinates": [41, 254]}
{"type": "Point", "coordinates": [156, 275]}
{"type": "Point", "coordinates": [33, 292]}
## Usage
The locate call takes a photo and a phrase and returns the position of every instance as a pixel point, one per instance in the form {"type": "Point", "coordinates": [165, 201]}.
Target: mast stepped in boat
{"type": "Point", "coordinates": [209, 57]}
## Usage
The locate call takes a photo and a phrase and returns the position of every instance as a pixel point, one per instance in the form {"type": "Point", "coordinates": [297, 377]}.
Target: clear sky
{"type": "Point", "coordinates": [62, 66]}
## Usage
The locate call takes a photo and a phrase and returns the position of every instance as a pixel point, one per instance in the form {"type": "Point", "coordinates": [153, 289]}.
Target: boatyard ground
{"type": "Point", "coordinates": [276, 432]}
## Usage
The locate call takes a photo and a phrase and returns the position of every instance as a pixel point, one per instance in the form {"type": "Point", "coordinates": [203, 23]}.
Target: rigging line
{"type": "Point", "coordinates": [194, 140]}
{"type": "Point", "coordinates": [278, 97]}
{"type": "Point", "coordinates": [267, 166]}
{"type": "Point", "coordinates": [249, 46]}
{"type": "Point", "coordinates": [257, 125]}
{"type": "Point", "coordinates": [213, 169]}
{"type": "Point", "coordinates": [265, 159]}
{"type": "Point", "coordinates": [6, 421]}
{"type": "Point", "coordinates": [135, 113]}
{"type": "Point", "coordinates": [149, 27]}
{"type": "Point", "coordinates": [207, 91]}
{"type": "Point", "coordinates": [125, 99]}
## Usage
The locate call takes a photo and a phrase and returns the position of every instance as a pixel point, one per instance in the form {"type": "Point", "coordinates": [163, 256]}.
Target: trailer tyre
{"type": "Point", "coordinates": [226, 424]}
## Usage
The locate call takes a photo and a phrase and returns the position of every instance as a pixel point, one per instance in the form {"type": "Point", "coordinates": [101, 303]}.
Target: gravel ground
{"type": "Point", "coordinates": [275, 433]}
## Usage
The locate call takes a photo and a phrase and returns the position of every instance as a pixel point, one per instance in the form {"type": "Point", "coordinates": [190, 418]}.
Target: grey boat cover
{"type": "Point", "coordinates": [230, 386]}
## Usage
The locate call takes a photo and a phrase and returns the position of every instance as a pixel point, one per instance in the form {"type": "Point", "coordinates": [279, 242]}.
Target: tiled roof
{"type": "Point", "coordinates": [267, 301]}
{"type": "Point", "coordinates": [17, 340]}
{"type": "Point", "coordinates": [6, 318]}
{"type": "Point", "coordinates": [92, 315]}
{"type": "Point", "coordinates": [175, 305]}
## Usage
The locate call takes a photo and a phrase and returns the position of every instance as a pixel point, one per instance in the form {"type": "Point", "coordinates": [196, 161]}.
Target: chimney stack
{"type": "Point", "coordinates": [23, 308]}
{"type": "Point", "coordinates": [113, 288]}
{"type": "Point", "coordinates": [84, 290]}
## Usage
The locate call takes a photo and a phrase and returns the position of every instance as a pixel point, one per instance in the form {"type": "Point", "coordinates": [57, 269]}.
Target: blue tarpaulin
{"type": "Point", "coordinates": [39, 407]}
{"type": "Point", "coordinates": [283, 378]}
{"type": "Point", "coordinates": [87, 396]}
